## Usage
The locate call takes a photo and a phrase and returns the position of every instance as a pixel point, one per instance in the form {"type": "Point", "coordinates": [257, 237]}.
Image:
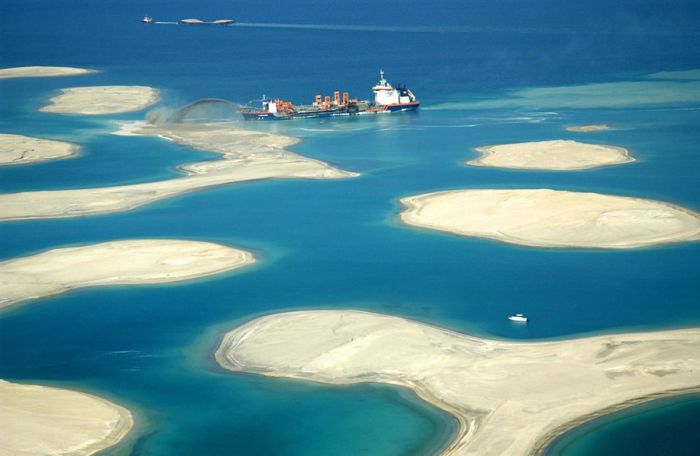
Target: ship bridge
{"type": "Point", "coordinates": [386, 95]}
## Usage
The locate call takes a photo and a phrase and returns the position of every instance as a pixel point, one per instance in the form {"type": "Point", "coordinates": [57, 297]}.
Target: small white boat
{"type": "Point", "coordinates": [147, 20]}
{"type": "Point", "coordinates": [518, 317]}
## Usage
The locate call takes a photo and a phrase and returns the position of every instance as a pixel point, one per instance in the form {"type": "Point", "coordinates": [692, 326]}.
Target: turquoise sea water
{"type": "Point", "coordinates": [337, 244]}
{"type": "Point", "coordinates": [666, 426]}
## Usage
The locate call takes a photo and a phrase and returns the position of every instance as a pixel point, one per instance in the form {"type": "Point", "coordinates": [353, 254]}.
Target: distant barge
{"type": "Point", "coordinates": [386, 99]}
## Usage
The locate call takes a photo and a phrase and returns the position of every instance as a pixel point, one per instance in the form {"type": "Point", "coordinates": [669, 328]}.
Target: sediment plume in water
{"type": "Point", "coordinates": [203, 110]}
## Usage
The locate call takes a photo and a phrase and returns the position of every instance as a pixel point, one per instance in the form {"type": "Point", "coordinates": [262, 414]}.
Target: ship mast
{"type": "Point", "coordinates": [382, 81]}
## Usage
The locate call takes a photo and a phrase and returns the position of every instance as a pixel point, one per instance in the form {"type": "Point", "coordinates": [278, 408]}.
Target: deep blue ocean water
{"type": "Point", "coordinates": [337, 244]}
{"type": "Point", "coordinates": [667, 426]}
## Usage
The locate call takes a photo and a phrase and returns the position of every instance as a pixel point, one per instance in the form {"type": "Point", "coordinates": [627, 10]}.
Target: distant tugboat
{"type": "Point", "coordinates": [518, 317]}
{"type": "Point", "coordinates": [147, 19]}
{"type": "Point", "coordinates": [386, 99]}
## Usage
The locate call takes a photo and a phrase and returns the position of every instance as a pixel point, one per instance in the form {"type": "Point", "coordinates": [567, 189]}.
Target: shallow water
{"type": "Point", "coordinates": [337, 243]}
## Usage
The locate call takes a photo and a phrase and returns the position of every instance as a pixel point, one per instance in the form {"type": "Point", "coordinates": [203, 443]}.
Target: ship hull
{"type": "Point", "coordinates": [261, 116]}
{"type": "Point", "coordinates": [386, 99]}
{"type": "Point", "coordinates": [264, 115]}
{"type": "Point", "coordinates": [402, 107]}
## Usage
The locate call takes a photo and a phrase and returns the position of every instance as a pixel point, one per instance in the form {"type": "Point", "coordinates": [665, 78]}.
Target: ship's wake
{"type": "Point", "coordinates": [364, 28]}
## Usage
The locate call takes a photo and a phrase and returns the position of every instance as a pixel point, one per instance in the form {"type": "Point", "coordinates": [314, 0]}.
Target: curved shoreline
{"type": "Point", "coordinates": [129, 262]}
{"type": "Point", "coordinates": [99, 100]}
{"type": "Point", "coordinates": [508, 397]}
{"type": "Point", "coordinates": [466, 426]}
{"type": "Point", "coordinates": [24, 150]}
{"type": "Point", "coordinates": [41, 420]}
{"type": "Point", "coordinates": [557, 155]}
{"type": "Point", "coordinates": [541, 447]}
{"type": "Point", "coordinates": [245, 156]}
{"type": "Point", "coordinates": [42, 72]}
{"type": "Point", "coordinates": [552, 218]}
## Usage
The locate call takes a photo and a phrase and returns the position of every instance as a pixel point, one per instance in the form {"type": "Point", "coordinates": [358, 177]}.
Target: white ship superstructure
{"type": "Point", "coordinates": [394, 99]}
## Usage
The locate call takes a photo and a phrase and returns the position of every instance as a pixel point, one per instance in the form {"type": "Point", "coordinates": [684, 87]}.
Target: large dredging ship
{"type": "Point", "coordinates": [386, 99]}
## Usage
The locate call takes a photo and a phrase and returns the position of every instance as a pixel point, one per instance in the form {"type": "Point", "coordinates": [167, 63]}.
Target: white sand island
{"type": "Point", "coordinates": [39, 420]}
{"type": "Point", "coordinates": [42, 72]}
{"type": "Point", "coordinates": [552, 218]}
{"type": "Point", "coordinates": [587, 128]}
{"type": "Point", "coordinates": [510, 398]}
{"type": "Point", "coordinates": [102, 100]}
{"type": "Point", "coordinates": [558, 155]}
{"type": "Point", "coordinates": [139, 261]}
{"type": "Point", "coordinates": [246, 156]}
{"type": "Point", "coordinates": [19, 149]}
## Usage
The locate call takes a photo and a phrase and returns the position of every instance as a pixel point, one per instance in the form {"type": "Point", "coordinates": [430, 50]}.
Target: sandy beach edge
{"type": "Point", "coordinates": [228, 364]}
{"type": "Point", "coordinates": [246, 156]}
{"type": "Point", "coordinates": [124, 425]}
{"type": "Point", "coordinates": [413, 205]}
{"type": "Point", "coordinates": [43, 72]}
{"type": "Point", "coordinates": [543, 444]}
{"type": "Point", "coordinates": [52, 400]}
{"type": "Point", "coordinates": [488, 151]}
{"type": "Point", "coordinates": [121, 262]}
{"type": "Point", "coordinates": [102, 100]}
{"type": "Point", "coordinates": [587, 128]}
{"type": "Point", "coordinates": [25, 150]}
{"type": "Point", "coordinates": [470, 420]}
{"type": "Point", "coordinates": [464, 429]}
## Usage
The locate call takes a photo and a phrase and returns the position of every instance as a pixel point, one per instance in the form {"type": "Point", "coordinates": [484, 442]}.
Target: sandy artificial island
{"type": "Point", "coordinates": [102, 100]}
{"type": "Point", "coordinates": [587, 128]}
{"type": "Point", "coordinates": [41, 72]}
{"type": "Point", "coordinates": [19, 150]}
{"type": "Point", "coordinates": [510, 398]}
{"type": "Point", "coordinates": [38, 420]}
{"type": "Point", "coordinates": [558, 155]}
{"type": "Point", "coordinates": [113, 263]}
{"type": "Point", "coordinates": [552, 218]}
{"type": "Point", "coordinates": [245, 156]}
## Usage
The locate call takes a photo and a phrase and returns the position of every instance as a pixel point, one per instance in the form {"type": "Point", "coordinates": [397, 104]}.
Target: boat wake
{"type": "Point", "coordinates": [363, 28]}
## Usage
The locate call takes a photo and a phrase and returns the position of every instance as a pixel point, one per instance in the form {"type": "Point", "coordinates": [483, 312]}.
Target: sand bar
{"type": "Point", "coordinates": [558, 155]}
{"type": "Point", "coordinates": [245, 156]}
{"type": "Point", "coordinates": [509, 398]}
{"type": "Point", "coordinates": [42, 72]}
{"type": "Point", "coordinates": [552, 218]}
{"type": "Point", "coordinates": [587, 128]}
{"type": "Point", "coordinates": [102, 100]}
{"type": "Point", "coordinates": [139, 261]}
{"type": "Point", "coordinates": [19, 150]}
{"type": "Point", "coordinates": [39, 420]}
